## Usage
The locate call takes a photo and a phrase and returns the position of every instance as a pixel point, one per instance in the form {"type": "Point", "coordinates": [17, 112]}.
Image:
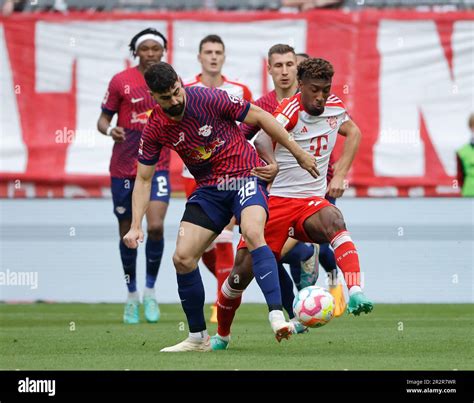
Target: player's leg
{"type": "Point", "coordinates": [122, 200]}
{"type": "Point", "coordinates": [191, 244]}
{"type": "Point", "coordinates": [328, 224]}
{"type": "Point", "coordinates": [230, 296]}
{"type": "Point", "coordinates": [155, 216]}
{"type": "Point", "coordinates": [224, 259]}
{"type": "Point", "coordinates": [209, 255]}
{"type": "Point", "coordinates": [328, 261]}
{"type": "Point", "coordinates": [204, 217]}
{"type": "Point", "coordinates": [250, 209]}
{"type": "Point", "coordinates": [303, 262]}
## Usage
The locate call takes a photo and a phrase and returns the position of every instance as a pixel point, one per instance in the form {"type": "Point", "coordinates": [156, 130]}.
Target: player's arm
{"type": "Point", "coordinates": [353, 135]}
{"type": "Point", "coordinates": [103, 124]}
{"type": "Point", "coordinates": [264, 146]}
{"type": "Point", "coordinates": [140, 202]}
{"type": "Point", "coordinates": [258, 117]}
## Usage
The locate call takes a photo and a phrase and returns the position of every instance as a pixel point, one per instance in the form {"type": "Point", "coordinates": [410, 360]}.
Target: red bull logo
{"type": "Point", "coordinates": [204, 152]}
{"type": "Point", "coordinates": [140, 117]}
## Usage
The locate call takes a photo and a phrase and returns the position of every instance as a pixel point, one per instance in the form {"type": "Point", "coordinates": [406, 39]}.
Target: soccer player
{"type": "Point", "coordinates": [219, 259]}
{"type": "Point", "coordinates": [313, 117]}
{"type": "Point", "coordinates": [199, 124]}
{"type": "Point", "coordinates": [326, 255]}
{"type": "Point", "coordinates": [128, 97]}
{"type": "Point", "coordinates": [301, 257]}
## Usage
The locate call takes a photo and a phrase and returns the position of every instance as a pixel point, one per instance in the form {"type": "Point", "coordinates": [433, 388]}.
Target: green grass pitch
{"type": "Point", "coordinates": [91, 336]}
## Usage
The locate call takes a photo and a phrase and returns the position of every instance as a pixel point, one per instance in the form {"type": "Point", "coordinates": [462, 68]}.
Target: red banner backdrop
{"type": "Point", "coordinates": [407, 79]}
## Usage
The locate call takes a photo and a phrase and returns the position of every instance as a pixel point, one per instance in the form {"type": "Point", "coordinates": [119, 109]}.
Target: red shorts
{"type": "Point", "coordinates": [286, 219]}
{"type": "Point", "coordinates": [190, 186]}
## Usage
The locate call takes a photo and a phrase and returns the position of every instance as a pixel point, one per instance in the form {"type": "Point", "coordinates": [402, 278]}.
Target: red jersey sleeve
{"type": "Point", "coordinates": [150, 146]}
{"type": "Point", "coordinates": [287, 112]}
{"type": "Point", "coordinates": [113, 97]}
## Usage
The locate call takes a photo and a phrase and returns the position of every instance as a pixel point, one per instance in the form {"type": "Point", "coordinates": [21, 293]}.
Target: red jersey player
{"type": "Point", "coordinates": [219, 259]}
{"type": "Point", "coordinates": [297, 204]}
{"type": "Point", "coordinates": [199, 124]}
{"type": "Point", "coordinates": [128, 97]}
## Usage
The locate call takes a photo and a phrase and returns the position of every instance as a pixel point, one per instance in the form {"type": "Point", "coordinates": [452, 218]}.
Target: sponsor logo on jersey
{"type": "Point", "coordinates": [205, 131]}
{"type": "Point", "coordinates": [140, 117]}
{"type": "Point", "coordinates": [204, 152]}
{"type": "Point", "coordinates": [332, 121]}
{"type": "Point", "coordinates": [304, 129]}
{"type": "Point", "coordinates": [235, 100]}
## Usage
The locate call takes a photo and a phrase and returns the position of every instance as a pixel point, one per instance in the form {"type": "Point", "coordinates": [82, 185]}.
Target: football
{"type": "Point", "coordinates": [314, 306]}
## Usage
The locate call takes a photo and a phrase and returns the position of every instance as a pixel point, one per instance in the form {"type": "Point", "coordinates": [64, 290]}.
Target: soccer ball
{"type": "Point", "coordinates": [314, 306]}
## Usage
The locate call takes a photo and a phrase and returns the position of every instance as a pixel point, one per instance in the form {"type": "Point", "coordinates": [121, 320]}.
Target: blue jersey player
{"type": "Point", "coordinates": [199, 124]}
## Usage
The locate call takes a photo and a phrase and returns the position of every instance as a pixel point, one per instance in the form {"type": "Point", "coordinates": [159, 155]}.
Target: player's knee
{"type": "Point", "coordinates": [155, 231]}
{"type": "Point", "coordinates": [183, 264]}
{"type": "Point", "coordinates": [254, 237]}
{"type": "Point", "coordinates": [335, 223]}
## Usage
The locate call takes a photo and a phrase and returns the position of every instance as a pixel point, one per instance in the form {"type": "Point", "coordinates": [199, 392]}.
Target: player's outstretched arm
{"type": "Point", "coordinates": [353, 135]}
{"type": "Point", "coordinates": [140, 202]}
{"type": "Point", "coordinates": [257, 116]}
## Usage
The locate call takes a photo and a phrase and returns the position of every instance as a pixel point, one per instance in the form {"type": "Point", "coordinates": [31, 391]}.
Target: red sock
{"type": "Point", "coordinates": [346, 257]}
{"type": "Point", "coordinates": [224, 262]}
{"type": "Point", "coordinates": [209, 259]}
{"type": "Point", "coordinates": [226, 308]}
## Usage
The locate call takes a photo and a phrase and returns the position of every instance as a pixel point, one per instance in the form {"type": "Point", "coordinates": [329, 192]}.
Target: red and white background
{"type": "Point", "coordinates": [407, 79]}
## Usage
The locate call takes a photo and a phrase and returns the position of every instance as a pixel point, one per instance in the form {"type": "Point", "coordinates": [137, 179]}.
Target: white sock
{"type": "Point", "coordinates": [149, 292]}
{"type": "Point", "coordinates": [199, 336]}
{"type": "Point", "coordinates": [133, 296]}
{"type": "Point", "coordinates": [225, 338]}
{"type": "Point", "coordinates": [354, 289]}
{"type": "Point", "coordinates": [276, 315]}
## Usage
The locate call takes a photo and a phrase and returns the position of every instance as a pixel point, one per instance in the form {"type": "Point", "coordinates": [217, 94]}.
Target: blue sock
{"type": "Point", "coordinates": [129, 263]}
{"type": "Point", "coordinates": [191, 293]}
{"type": "Point", "coordinates": [298, 254]}
{"type": "Point", "coordinates": [266, 273]}
{"type": "Point", "coordinates": [294, 257]}
{"type": "Point", "coordinates": [328, 261]}
{"type": "Point", "coordinates": [287, 294]}
{"type": "Point", "coordinates": [154, 252]}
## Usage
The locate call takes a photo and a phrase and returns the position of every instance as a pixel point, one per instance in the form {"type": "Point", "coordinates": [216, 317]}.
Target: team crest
{"type": "Point", "coordinates": [235, 100]}
{"type": "Point", "coordinates": [205, 131]}
{"type": "Point", "coordinates": [332, 121]}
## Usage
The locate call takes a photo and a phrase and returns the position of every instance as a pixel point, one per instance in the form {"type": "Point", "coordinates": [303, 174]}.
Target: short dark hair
{"type": "Point", "coordinates": [305, 55]}
{"type": "Point", "coordinates": [211, 38]}
{"type": "Point", "coordinates": [160, 77]}
{"type": "Point", "coordinates": [280, 49]}
{"type": "Point", "coordinates": [153, 31]}
{"type": "Point", "coordinates": [317, 69]}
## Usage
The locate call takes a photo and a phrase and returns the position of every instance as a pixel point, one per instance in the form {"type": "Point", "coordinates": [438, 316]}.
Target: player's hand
{"type": "Point", "coordinates": [308, 162]}
{"type": "Point", "coordinates": [118, 134]}
{"type": "Point", "coordinates": [132, 238]}
{"type": "Point", "coordinates": [267, 173]}
{"type": "Point", "coordinates": [337, 186]}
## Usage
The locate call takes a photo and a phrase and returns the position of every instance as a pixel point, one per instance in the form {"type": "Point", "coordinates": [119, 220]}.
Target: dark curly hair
{"type": "Point", "coordinates": [160, 77]}
{"type": "Point", "coordinates": [316, 69]}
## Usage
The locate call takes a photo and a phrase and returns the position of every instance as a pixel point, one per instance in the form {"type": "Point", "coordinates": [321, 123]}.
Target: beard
{"type": "Point", "coordinates": [175, 110]}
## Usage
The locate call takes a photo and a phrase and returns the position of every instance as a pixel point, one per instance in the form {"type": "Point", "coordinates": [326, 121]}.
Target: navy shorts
{"type": "Point", "coordinates": [220, 202]}
{"type": "Point", "coordinates": [122, 193]}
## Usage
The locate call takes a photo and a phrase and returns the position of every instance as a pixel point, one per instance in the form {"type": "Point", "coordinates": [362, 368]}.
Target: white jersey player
{"type": "Point", "coordinates": [297, 206]}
